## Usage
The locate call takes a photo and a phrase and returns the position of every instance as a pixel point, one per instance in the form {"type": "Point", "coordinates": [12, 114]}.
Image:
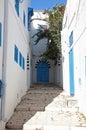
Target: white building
{"type": "Point", "coordinates": [74, 51]}
{"type": "Point", "coordinates": [42, 71]}
{"type": "Point", "coordinates": [14, 54]}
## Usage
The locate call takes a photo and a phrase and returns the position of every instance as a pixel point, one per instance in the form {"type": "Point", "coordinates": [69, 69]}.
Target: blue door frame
{"type": "Point", "coordinates": [42, 72]}
{"type": "Point", "coordinates": [71, 71]}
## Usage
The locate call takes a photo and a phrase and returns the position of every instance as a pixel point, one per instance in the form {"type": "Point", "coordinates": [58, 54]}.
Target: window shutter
{"type": "Point", "coordinates": [17, 6]}
{"type": "Point", "coordinates": [30, 14]}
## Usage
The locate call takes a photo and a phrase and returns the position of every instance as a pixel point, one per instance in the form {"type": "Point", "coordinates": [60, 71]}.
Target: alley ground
{"type": "Point", "coordinates": [47, 107]}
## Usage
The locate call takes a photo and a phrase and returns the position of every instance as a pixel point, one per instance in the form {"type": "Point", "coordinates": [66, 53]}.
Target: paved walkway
{"type": "Point", "coordinates": [47, 108]}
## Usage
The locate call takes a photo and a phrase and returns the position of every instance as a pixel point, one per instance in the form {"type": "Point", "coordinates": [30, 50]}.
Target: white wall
{"type": "Point", "coordinates": [40, 48]}
{"type": "Point", "coordinates": [15, 78]}
{"type": "Point", "coordinates": [75, 20]}
{"type": "Point", "coordinates": [58, 73]}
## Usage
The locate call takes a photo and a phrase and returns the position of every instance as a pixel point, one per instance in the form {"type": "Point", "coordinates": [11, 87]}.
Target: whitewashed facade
{"type": "Point", "coordinates": [14, 52]}
{"type": "Point", "coordinates": [74, 51]}
{"type": "Point", "coordinates": [40, 73]}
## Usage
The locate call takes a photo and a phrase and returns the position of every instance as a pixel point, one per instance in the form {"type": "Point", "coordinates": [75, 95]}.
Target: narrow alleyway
{"type": "Point", "coordinates": [47, 107]}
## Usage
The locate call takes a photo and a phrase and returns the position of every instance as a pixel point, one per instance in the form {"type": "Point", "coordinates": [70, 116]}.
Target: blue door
{"type": "Point", "coordinates": [71, 71]}
{"type": "Point", "coordinates": [42, 72]}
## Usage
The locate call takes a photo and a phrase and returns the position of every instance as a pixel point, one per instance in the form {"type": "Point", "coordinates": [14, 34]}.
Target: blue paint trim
{"type": "Point", "coordinates": [17, 6]}
{"type": "Point", "coordinates": [0, 34]}
{"type": "Point", "coordinates": [16, 54]}
{"type": "Point", "coordinates": [20, 59]}
{"type": "Point", "coordinates": [24, 18]}
{"type": "Point", "coordinates": [71, 71]}
{"type": "Point", "coordinates": [30, 14]}
{"type": "Point", "coordinates": [23, 66]}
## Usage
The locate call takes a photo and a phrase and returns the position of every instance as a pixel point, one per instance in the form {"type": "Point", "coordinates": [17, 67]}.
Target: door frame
{"type": "Point", "coordinates": [71, 71]}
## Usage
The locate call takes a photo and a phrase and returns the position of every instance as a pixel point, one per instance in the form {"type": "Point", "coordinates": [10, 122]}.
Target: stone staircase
{"type": "Point", "coordinates": [46, 107]}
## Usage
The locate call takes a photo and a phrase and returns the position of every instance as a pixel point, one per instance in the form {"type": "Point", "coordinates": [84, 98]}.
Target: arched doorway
{"type": "Point", "coordinates": [42, 72]}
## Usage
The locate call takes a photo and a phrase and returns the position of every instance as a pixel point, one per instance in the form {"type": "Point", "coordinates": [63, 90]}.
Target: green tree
{"type": "Point", "coordinates": [53, 33]}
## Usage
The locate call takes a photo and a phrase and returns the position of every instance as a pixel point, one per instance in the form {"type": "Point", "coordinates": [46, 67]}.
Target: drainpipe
{"type": "Point", "coordinates": [4, 64]}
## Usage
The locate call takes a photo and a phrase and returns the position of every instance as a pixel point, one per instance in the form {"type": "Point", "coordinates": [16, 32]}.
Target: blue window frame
{"type": "Point", "coordinates": [71, 38]}
{"type": "Point", "coordinates": [24, 18]}
{"type": "Point", "coordinates": [16, 54]}
{"type": "Point", "coordinates": [23, 66]}
{"type": "Point", "coordinates": [17, 6]}
{"type": "Point", "coordinates": [0, 34]}
{"type": "Point", "coordinates": [30, 14]}
{"type": "Point", "coordinates": [20, 59]}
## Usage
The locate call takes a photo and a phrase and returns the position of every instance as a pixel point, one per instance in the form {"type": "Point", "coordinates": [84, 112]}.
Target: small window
{"type": "Point", "coordinates": [0, 34]}
{"type": "Point", "coordinates": [16, 54]}
{"type": "Point", "coordinates": [23, 63]}
{"type": "Point", "coordinates": [24, 19]}
{"type": "Point", "coordinates": [17, 6]}
{"type": "Point", "coordinates": [30, 14]}
{"type": "Point", "coordinates": [20, 59]}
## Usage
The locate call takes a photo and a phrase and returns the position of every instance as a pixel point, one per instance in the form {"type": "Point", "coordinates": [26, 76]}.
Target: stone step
{"type": "Point", "coordinates": [30, 107]}
{"type": "Point", "coordinates": [55, 121]}
{"type": "Point", "coordinates": [19, 118]}
{"type": "Point", "coordinates": [47, 109]}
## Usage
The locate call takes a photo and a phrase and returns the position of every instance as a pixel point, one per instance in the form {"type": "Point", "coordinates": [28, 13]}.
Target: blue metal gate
{"type": "Point", "coordinates": [71, 71]}
{"type": "Point", "coordinates": [42, 72]}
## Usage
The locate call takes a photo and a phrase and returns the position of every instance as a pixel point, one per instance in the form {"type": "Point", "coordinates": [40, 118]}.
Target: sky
{"type": "Point", "coordinates": [45, 4]}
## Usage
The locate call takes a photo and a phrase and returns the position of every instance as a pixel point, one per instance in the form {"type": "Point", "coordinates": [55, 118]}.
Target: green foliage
{"type": "Point", "coordinates": [53, 33]}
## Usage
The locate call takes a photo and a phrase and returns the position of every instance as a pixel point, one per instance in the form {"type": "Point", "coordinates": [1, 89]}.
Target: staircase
{"type": "Point", "coordinates": [46, 107]}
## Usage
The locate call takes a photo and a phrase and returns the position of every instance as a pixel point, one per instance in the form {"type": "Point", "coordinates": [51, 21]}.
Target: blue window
{"type": "Point", "coordinates": [17, 6]}
{"type": "Point", "coordinates": [30, 14]}
{"type": "Point", "coordinates": [16, 54]}
{"type": "Point", "coordinates": [0, 34]}
{"type": "Point", "coordinates": [24, 19]}
{"type": "Point", "coordinates": [23, 66]}
{"type": "Point", "coordinates": [20, 59]}
{"type": "Point", "coordinates": [71, 38]}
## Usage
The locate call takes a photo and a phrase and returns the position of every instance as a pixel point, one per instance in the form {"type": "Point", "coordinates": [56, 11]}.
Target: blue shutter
{"type": "Point", "coordinates": [16, 54]}
{"type": "Point", "coordinates": [20, 59]}
{"type": "Point", "coordinates": [30, 14]}
{"type": "Point", "coordinates": [17, 6]}
{"type": "Point", "coordinates": [0, 34]}
{"type": "Point", "coordinates": [23, 63]}
{"type": "Point", "coordinates": [24, 19]}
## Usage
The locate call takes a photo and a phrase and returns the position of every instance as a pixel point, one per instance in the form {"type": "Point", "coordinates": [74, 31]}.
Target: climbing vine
{"type": "Point", "coordinates": [53, 33]}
